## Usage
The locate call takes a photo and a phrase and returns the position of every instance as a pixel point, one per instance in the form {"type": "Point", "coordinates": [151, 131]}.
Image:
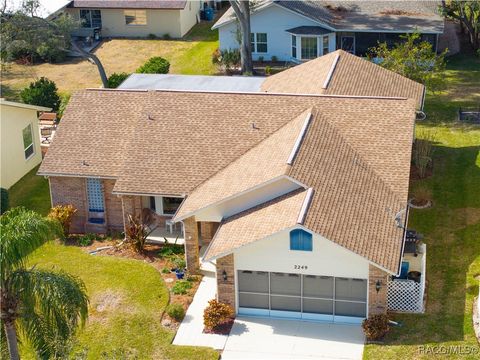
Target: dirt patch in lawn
{"type": "Point", "coordinates": [468, 216]}
{"type": "Point", "coordinates": [109, 301]}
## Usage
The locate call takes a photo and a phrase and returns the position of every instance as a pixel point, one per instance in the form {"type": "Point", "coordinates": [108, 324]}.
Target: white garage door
{"type": "Point", "coordinates": [302, 296]}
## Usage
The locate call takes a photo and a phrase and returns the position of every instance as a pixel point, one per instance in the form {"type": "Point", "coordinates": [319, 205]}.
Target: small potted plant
{"type": "Point", "coordinates": [179, 266]}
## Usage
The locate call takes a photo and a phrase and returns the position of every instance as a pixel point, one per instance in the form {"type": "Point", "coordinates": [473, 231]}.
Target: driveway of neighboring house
{"type": "Point", "coordinates": [258, 338]}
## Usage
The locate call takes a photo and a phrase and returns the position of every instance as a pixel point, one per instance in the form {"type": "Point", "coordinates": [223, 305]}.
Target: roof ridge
{"type": "Point", "coordinates": [364, 164]}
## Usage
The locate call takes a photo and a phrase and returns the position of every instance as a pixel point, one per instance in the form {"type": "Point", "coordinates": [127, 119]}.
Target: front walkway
{"type": "Point", "coordinates": [263, 338]}
{"type": "Point", "coordinates": [190, 331]}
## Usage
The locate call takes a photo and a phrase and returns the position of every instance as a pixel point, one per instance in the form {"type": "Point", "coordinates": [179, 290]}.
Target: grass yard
{"type": "Point", "coordinates": [451, 228]}
{"type": "Point", "coordinates": [31, 192]}
{"type": "Point", "coordinates": [127, 300]}
{"type": "Point", "coordinates": [191, 55]}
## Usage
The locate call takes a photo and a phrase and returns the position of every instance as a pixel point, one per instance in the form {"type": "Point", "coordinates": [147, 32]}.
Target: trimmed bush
{"type": "Point", "coordinates": [155, 65]}
{"type": "Point", "coordinates": [4, 202]}
{"type": "Point", "coordinates": [42, 92]}
{"type": "Point", "coordinates": [87, 239]}
{"type": "Point", "coordinates": [216, 314]}
{"type": "Point", "coordinates": [376, 326]}
{"type": "Point", "coordinates": [116, 79]}
{"type": "Point", "coordinates": [181, 287]}
{"type": "Point", "coordinates": [176, 311]}
{"type": "Point", "coordinates": [64, 215]}
{"type": "Point", "coordinates": [179, 262]}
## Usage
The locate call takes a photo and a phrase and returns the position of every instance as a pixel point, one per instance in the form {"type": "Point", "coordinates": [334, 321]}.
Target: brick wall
{"type": "Point", "coordinates": [377, 302]}
{"type": "Point", "coordinates": [131, 205]}
{"type": "Point", "coordinates": [191, 244]}
{"type": "Point", "coordinates": [226, 288]}
{"type": "Point", "coordinates": [207, 231]}
{"type": "Point", "coordinates": [113, 207]}
{"type": "Point", "coordinates": [70, 190]}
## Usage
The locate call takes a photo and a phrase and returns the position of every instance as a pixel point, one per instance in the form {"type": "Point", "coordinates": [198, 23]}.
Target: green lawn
{"type": "Point", "coordinates": [451, 227]}
{"type": "Point", "coordinates": [127, 299]}
{"type": "Point", "coordinates": [32, 192]}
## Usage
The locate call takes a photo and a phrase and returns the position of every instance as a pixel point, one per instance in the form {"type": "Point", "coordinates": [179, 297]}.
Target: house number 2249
{"type": "Point", "coordinates": [300, 267]}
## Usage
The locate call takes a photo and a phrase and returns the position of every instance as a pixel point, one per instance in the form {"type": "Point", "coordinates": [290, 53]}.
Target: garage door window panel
{"type": "Point", "coordinates": [350, 289]}
{"type": "Point", "coordinates": [318, 306]}
{"type": "Point", "coordinates": [285, 303]}
{"type": "Point", "coordinates": [344, 308]}
{"type": "Point", "coordinates": [255, 301]}
{"type": "Point", "coordinates": [285, 284]}
{"type": "Point", "coordinates": [253, 281]}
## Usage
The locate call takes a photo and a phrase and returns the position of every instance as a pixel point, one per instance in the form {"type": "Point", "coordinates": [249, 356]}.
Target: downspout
{"type": "Point", "coordinates": [404, 227]}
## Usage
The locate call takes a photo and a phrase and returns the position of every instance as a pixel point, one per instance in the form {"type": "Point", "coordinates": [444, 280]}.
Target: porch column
{"type": "Point", "coordinates": [191, 244]}
{"type": "Point", "coordinates": [226, 287]}
{"type": "Point", "coordinates": [207, 231]}
{"type": "Point", "coordinates": [131, 205]}
{"type": "Point", "coordinates": [377, 301]}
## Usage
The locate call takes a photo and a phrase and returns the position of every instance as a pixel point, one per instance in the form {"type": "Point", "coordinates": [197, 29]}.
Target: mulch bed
{"type": "Point", "coordinates": [222, 329]}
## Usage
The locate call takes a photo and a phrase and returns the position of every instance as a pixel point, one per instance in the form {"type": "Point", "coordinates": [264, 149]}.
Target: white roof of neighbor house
{"type": "Point", "coordinates": [24, 106]}
{"type": "Point", "coordinates": [193, 83]}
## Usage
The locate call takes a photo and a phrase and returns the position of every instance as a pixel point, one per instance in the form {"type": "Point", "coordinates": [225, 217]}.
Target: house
{"type": "Point", "coordinates": [129, 18]}
{"type": "Point", "coordinates": [299, 200]}
{"type": "Point", "coordinates": [303, 30]}
{"type": "Point", "coordinates": [20, 139]}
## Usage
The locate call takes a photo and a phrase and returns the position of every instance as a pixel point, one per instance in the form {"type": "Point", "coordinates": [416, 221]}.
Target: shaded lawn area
{"type": "Point", "coordinates": [127, 299]}
{"type": "Point", "coordinates": [32, 192]}
{"type": "Point", "coordinates": [451, 227]}
{"type": "Point", "coordinates": [190, 55]}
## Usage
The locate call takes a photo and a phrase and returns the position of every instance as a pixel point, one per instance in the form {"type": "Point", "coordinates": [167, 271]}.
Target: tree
{"type": "Point", "coordinates": [468, 13]}
{"type": "Point", "coordinates": [41, 92]}
{"type": "Point", "coordinates": [46, 306]}
{"type": "Point", "coordinates": [414, 59]}
{"type": "Point", "coordinates": [242, 12]}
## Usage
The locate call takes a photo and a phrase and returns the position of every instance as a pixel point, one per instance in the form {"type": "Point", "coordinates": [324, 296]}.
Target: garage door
{"type": "Point", "coordinates": [302, 296]}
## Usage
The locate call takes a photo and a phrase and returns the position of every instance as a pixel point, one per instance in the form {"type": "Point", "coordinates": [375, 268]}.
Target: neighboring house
{"type": "Point", "coordinates": [20, 139]}
{"type": "Point", "coordinates": [130, 18]}
{"type": "Point", "coordinates": [300, 200]}
{"type": "Point", "coordinates": [303, 30]}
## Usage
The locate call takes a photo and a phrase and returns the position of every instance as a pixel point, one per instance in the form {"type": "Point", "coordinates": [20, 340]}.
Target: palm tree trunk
{"type": "Point", "coordinates": [11, 334]}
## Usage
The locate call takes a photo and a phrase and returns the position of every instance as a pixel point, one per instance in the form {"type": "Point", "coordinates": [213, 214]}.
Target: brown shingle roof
{"type": "Point", "coordinates": [351, 205]}
{"type": "Point", "coordinates": [351, 75]}
{"type": "Point", "coordinates": [191, 136]}
{"type": "Point", "coordinates": [256, 223]}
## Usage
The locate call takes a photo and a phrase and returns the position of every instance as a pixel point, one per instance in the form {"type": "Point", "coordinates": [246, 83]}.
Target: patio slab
{"type": "Point", "coordinates": [267, 338]}
{"type": "Point", "coordinates": [190, 331]}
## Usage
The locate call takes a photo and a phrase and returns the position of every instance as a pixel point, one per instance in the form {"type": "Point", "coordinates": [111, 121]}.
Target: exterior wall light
{"type": "Point", "coordinates": [224, 274]}
{"type": "Point", "coordinates": [378, 286]}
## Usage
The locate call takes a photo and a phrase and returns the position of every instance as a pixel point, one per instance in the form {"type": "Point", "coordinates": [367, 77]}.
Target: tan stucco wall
{"type": "Point", "coordinates": [13, 163]}
{"type": "Point", "coordinates": [176, 23]}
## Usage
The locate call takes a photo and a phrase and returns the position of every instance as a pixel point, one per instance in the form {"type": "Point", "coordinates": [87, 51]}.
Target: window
{"type": "Point", "coordinates": [294, 46]}
{"type": "Point", "coordinates": [325, 46]}
{"type": "Point", "coordinates": [171, 204]}
{"type": "Point", "coordinates": [91, 18]}
{"type": "Point", "coordinates": [96, 205]}
{"type": "Point", "coordinates": [135, 17]}
{"type": "Point", "coordinates": [309, 48]}
{"type": "Point", "coordinates": [258, 42]}
{"type": "Point", "coordinates": [300, 240]}
{"type": "Point", "coordinates": [28, 146]}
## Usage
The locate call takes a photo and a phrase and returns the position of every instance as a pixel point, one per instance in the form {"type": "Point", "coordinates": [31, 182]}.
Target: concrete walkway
{"type": "Point", "coordinates": [191, 328]}
{"type": "Point", "coordinates": [260, 338]}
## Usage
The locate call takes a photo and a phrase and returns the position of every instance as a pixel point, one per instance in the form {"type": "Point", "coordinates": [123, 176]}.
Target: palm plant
{"type": "Point", "coordinates": [44, 306]}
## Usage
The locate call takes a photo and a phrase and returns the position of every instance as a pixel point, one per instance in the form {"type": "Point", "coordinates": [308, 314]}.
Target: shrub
{"type": "Point", "coordinates": [165, 270]}
{"type": "Point", "coordinates": [422, 195]}
{"type": "Point", "coordinates": [87, 239]}
{"type": "Point", "coordinates": [4, 202]}
{"type": "Point", "coordinates": [155, 65]}
{"type": "Point", "coordinates": [116, 79]}
{"type": "Point", "coordinates": [216, 314]}
{"type": "Point", "coordinates": [136, 233]}
{"type": "Point", "coordinates": [179, 262]}
{"type": "Point", "coordinates": [168, 250]}
{"type": "Point", "coordinates": [216, 56]}
{"type": "Point", "coordinates": [151, 36]}
{"type": "Point", "coordinates": [181, 287]}
{"type": "Point", "coordinates": [166, 36]}
{"type": "Point", "coordinates": [64, 215]}
{"type": "Point", "coordinates": [176, 311]}
{"type": "Point", "coordinates": [52, 50]}
{"type": "Point", "coordinates": [274, 58]}
{"type": "Point", "coordinates": [268, 70]}
{"type": "Point", "coordinates": [18, 50]}
{"type": "Point", "coordinates": [376, 326]}
{"type": "Point", "coordinates": [63, 104]}
{"type": "Point", "coordinates": [422, 152]}
{"type": "Point", "coordinates": [41, 92]}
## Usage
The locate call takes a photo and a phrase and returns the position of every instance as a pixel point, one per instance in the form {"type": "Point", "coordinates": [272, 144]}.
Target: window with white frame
{"type": "Point", "coordinates": [165, 205]}
{"type": "Point", "coordinates": [309, 48]}
{"type": "Point", "coordinates": [91, 18]}
{"type": "Point", "coordinates": [259, 42]}
{"type": "Point", "coordinates": [294, 46]}
{"type": "Point", "coordinates": [135, 17]}
{"type": "Point", "coordinates": [325, 45]}
{"type": "Point", "coordinates": [28, 145]}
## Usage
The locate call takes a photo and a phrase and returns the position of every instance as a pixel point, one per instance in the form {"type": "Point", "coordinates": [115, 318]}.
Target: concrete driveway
{"type": "Point", "coordinates": [258, 338]}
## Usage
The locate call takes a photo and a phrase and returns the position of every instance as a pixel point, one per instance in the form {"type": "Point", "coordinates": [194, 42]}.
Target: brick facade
{"type": "Point", "coordinates": [377, 302]}
{"type": "Point", "coordinates": [207, 231]}
{"type": "Point", "coordinates": [113, 207]}
{"type": "Point", "coordinates": [226, 288]}
{"type": "Point", "coordinates": [191, 243]}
